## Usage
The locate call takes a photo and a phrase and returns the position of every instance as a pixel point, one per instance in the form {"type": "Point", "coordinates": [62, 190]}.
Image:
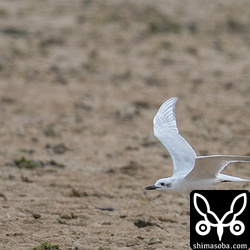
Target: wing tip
{"type": "Point", "coordinates": [171, 101]}
{"type": "Point", "coordinates": [174, 98]}
{"type": "Point", "coordinates": [166, 115]}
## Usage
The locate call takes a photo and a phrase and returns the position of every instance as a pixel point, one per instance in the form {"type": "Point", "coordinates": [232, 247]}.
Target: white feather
{"type": "Point", "coordinates": [166, 131]}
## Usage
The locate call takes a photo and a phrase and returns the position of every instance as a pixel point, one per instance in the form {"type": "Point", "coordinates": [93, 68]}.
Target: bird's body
{"type": "Point", "coordinates": [181, 185]}
{"type": "Point", "coordinates": [190, 171]}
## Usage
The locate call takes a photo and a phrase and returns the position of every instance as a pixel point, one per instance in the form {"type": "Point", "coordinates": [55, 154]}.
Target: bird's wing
{"type": "Point", "coordinates": [210, 166]}
{"type": "Point", "coordinates": [166, 131]}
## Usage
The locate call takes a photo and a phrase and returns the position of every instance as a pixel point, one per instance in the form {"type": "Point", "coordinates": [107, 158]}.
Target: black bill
{"type": "Point", "coordinates": [152, 187]}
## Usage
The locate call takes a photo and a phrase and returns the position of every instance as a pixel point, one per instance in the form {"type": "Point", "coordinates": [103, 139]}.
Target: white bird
{"type": "Point", "coordinates": [190, 171]}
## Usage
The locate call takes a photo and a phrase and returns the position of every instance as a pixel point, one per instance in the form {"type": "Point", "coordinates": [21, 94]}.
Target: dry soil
{"type": "Point", "coordinates": [80, 82]}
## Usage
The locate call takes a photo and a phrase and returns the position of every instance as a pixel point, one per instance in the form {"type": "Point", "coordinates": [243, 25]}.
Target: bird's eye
{"type": "Point", "coordinates": [162, 183]}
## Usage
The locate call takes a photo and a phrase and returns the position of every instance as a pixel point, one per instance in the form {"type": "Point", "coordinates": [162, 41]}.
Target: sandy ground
{"type": "Point", "coordinates": [80, 82]}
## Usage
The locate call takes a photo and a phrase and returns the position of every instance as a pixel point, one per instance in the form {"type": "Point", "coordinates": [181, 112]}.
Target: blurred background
{"type": "Point", "coordinates": [80, 83]}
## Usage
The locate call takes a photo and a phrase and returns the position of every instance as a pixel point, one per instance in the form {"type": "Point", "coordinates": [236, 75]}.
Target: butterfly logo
{"type": "Point", "coordinates": [203, 227]}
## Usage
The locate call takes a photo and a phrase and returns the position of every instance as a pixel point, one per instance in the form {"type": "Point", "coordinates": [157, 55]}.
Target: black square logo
{"type": "Point", "coordinates": [219, 219]}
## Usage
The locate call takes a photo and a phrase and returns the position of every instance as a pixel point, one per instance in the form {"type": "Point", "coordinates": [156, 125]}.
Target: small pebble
{"type": "Point", "coordinates": [36, 216]}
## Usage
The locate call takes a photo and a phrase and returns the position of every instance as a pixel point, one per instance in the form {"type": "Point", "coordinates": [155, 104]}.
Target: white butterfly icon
{"type": "Point", "coordinates": [236, 227]}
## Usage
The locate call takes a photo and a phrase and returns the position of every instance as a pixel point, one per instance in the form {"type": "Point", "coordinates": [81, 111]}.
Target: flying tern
{"type": "Point", "coordinates": [190, 171]}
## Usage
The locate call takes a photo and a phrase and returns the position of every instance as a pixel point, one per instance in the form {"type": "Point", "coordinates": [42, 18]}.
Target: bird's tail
{"type": "Point", "coordinates": [229, 178]}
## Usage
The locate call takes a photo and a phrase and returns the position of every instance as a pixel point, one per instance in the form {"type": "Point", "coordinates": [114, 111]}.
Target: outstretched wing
{"type": "Point", "coordinates": [210, 166]}
{"type": "Point", "coordinates": [166, 131]}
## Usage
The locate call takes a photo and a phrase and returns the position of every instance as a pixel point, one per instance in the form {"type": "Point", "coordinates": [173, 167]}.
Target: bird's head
{"type": "Point", "coordinates": [165, 184]}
